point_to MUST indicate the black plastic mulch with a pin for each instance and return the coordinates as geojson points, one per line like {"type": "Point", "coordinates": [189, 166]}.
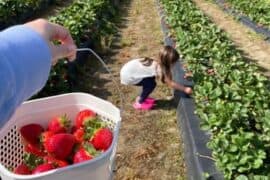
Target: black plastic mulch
{"type": "Point", "coordinates": [200, 165]}
{"type": "Point", "coordinates": [245, 20]}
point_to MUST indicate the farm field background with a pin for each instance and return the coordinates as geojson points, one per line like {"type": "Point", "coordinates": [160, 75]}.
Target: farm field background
{"type": "Point", "coordinates": [150, 145]}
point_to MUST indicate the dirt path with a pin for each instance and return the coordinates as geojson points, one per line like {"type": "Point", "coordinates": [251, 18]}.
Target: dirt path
{"type": "Point", "coordinates": [149, 144]}
{"type": "Point", "coordinates": [254, 47]}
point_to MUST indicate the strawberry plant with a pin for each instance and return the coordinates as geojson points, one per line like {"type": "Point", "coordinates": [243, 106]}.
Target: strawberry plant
{"type": "Point", "coordinates": [11, 10]}
{"type": "Point", "coordinates": [257, 11]}
{"type": "Point", "coordinates": [86, 20]}
{"type": "Point", "coordinates": [18, 11]}
{"type": "Point", "coordinates": [232, 101]}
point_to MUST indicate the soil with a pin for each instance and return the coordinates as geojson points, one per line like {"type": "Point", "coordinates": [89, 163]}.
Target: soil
{"type": "Point", "coordinates": [149, 145]}
{"type": "Point", "coordinates": [253, 46]}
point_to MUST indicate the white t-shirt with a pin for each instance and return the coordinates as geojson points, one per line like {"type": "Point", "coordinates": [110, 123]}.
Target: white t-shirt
{"type": "Point", "coordinates": [134, 71]}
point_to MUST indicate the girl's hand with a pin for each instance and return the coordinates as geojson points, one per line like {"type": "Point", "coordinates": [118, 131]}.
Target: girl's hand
{"type": "Point", "coordinates": [51, 32]}
{"type": "Point", "coordinates": [188, 90]}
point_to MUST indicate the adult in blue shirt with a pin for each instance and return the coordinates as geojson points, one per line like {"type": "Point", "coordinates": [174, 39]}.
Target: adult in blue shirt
{"type": "Point", "coordinates": [26, 56]}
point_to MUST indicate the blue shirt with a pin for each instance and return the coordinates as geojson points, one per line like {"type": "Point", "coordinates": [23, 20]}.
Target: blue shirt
{"type": "Point", "coordinates": [25, 61]}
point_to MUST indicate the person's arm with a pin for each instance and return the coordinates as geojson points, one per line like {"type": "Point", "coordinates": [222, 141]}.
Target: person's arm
{"type": "Point", "coordinates": [25, 61]}
{"type": "Point", "coordinates": [26, 55]}
{"type": "Point", "coordinates": [174, 85]}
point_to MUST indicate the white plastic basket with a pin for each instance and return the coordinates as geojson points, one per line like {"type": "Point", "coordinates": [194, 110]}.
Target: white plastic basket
{"type": "Point", "coordinates": [41, 111]}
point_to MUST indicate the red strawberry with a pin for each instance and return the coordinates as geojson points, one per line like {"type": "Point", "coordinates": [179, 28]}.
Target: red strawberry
{"type": "Point", "coordinates": [22, 169]}
{"type": "Point", "coordinates": [58, 163]}
{"type": "Point", "coordinates": [45, 136]}
{"type": "Point", "coordinates": [84, 115]}
{"type": "Point", "coordinates": [34, 149]}
{"type": "Point", "coordinates": [102, 139]}
{"type": "Point", "coordinates": [31, 133]}
{"type": "Point", "coordinates": [79, 135]}
{"type": "Point", "coordinates": [60, 145]}
{"type": "Point", "coordinates": [43, 168]}
{"type": "Point", "coordinates": [86, 152]}
{"type": "Point", "coordinates": [59, 124]}
{"type": "Point", "coordinates": [73, 129]}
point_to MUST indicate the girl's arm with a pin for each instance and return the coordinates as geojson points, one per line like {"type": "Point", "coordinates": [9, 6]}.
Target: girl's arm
{"type": "Point", "coordinates": [25, 61]}
{"type": "Point", "coordinates": [174, 85]}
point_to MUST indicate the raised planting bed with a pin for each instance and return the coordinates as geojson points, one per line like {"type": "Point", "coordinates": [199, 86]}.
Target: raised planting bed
{"type": "Point", "coordinates": [257, 19]}
{"type": "Point", "coordinates": [198, 159]}
{"type": "Point", "coordinates": [257, 11]}
{"type": "Point", "coordinates": [231, 99]}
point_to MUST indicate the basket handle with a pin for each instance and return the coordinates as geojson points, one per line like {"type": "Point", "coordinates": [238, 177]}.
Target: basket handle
{"type": "Point", "coordinates": [109, 71]}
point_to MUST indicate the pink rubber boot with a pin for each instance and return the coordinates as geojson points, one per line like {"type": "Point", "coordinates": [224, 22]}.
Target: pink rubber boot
{"type": "Point", "coordinates": [143, 106]}
{"type": "Point", "coordinates": [150, 100]}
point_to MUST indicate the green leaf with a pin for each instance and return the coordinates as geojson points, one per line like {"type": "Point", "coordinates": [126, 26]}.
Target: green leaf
{"type": "Point", "coordinates": [257, 163]}
{"type": "Point", "coordinates": [241, 177]}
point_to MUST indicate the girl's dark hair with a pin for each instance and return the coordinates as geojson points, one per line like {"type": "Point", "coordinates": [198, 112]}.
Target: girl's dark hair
{"type": "Point", "coordinates": [146, 61]}
{"type": "Point", "coordinates": [168, 56]}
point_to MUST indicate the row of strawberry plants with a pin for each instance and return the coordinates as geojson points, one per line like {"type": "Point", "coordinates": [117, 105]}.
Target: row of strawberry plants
{"type": "Point", "coordinates": [231, 96]}
{"type": "Point", "coordinates": [16, 11]}
{"type": "Point", "coordinates": [86, 19]}
{"type": "Point", "coordinates": [257, 11]}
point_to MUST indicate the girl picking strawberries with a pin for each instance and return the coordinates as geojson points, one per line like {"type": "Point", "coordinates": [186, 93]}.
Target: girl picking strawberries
{"type": "Point", "coordinates": [144, 71]}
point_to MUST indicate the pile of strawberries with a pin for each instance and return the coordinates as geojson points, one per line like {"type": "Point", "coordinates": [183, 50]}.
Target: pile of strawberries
{"type": "Point", "coordinates": [60, 145]}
